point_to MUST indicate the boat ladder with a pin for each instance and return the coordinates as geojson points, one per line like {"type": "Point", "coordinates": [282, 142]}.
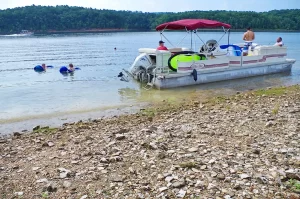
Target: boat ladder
{"type": "Point", "coordinates": [148, 86]}
{"type": "Point", "coordinates": [150, 83]}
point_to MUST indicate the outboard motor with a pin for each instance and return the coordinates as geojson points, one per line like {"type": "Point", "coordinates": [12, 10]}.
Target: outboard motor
{"type": "Point", "coordinates": [209, 46]}
{"type": "Point", "coordinates": [140, 65]}
{"type": "Point", "coordinates": [142, 61]}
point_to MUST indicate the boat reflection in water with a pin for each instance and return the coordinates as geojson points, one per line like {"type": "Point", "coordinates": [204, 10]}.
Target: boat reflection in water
{"type": "Point", "coordinates": [202, 92]}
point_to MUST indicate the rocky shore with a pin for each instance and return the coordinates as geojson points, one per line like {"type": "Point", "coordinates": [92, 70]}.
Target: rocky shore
{"type": "Point", "coordinates": [242, 146]}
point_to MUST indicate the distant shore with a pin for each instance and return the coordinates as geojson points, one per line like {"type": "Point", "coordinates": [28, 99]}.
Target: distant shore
{"type": "Point", "coordinates": [96, 30]}
{"type": "Point", "coordinates": [85, 30]}
{"type": "Point", "coordinates": [100, 30]}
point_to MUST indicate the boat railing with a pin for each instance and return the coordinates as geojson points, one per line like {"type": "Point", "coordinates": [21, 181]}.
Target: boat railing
{"type": "Point", "coordinates": [162, 58]}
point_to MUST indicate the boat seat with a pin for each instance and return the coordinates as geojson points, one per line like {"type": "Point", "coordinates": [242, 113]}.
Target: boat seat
{"type": "Point", "coordinates": [147, 50]}
{"type": "Point", "coordinates": [269, 50]}
{"type": "Point", "coordinates": [175, 50]}
{"type": "Point", "coordinates": [234, 50]}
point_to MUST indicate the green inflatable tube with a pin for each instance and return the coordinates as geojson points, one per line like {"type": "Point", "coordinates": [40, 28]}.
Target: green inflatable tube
{"type": "Point", "coordinates": [185, 56]}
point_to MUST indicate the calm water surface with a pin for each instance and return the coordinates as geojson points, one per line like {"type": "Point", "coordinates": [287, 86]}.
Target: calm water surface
{"type": "Point", "coordinates": [28, 98]}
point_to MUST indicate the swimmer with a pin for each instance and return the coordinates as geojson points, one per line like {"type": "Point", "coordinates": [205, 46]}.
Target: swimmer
{"type": "Point", "coordinates": [71, 68]}
{"type": "Point", "coordinates": [44, 67]}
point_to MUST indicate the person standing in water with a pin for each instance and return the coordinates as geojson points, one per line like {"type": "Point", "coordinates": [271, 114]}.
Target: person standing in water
{"type": "Point", "coordinates": [44, 67]}
{"type": "Point", "coordinates": [71, 68]}
{"type": "Point", "coordinates": [248, 37]}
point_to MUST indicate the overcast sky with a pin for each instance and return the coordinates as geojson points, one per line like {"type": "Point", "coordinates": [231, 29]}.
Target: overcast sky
{"type": "Point", "coordinates": [163, 5]}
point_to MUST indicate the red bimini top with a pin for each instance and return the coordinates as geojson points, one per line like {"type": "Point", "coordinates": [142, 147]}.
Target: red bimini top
{"type": "Point", "coordinates": [191, 24]}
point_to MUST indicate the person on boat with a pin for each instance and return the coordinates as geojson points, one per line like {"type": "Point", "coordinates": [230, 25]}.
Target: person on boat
{"type": "Point", "coordinates": [71, 68]}
{"type": "Point", "coordinates": [248, 37]}
{"type": "Point", "coordinates": [279, 42]}
{"type": "Point", "coordinates": [161, 46]}
{"type": "Point", "coordinates": [44, 67]}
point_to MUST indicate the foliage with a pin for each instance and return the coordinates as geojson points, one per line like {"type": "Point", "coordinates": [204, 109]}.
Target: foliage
{"type": "Point", "coordinates": [65, 18]}
{"type": "Point", "coordinates": [45, 130]}
{"type": "Point", "coordinates": [276, 109]}
{"type": "Point", "coordinates": [294, 184]}
{"type": "Point", "coordinates": [45, 195]}
{"type": "Point", "coordinates": [270, 92]}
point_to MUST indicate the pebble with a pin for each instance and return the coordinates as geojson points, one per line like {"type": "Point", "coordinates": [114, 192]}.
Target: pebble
{"type": "Point", "coordinates": [162, 189]}
{"type": "Point", "coordinates": [169, 178]}
{"type": "Point", "coordinates": [42, 180]}
{"type": "Point", "coordinates": [245, 176]}
{"type": "Point", "coordinates": [178, 184]}
{"type": "Point", "coordinates": [67, 184]}
{"type": "Point", "coordinates": [193, 149]}
{"type": "Point", "coordinates": [211, 186]}
{"type": "Point", "coordinates": [51, 187]}
{"type": "Point", "coordinates": [229, 148]}
{"type": "Point", "coordinates": [35, 168]}
{"type": "Point", "coordinates": [181, 194]}
{"type": "Point", "coordinates": [19, 193]}
{"type": "Point", "coordinates": [64, 173]}
{"type": "Point", "coordinates": [116, 178]}
{"type": "Point", "coordinates": [120, 137]}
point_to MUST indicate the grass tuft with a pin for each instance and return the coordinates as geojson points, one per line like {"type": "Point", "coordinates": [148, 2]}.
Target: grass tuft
{"type": "Point", "coordinates": [188, 165]}
{"type": "Point", "coordinates": [275, 109]}
{"type": "Point", "coordinates": [45, 130]}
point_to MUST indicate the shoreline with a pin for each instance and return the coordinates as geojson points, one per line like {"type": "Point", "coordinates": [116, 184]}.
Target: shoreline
{"type": "Point", "coordinates": [84, 31]}
{"type": "Point", "coordinates": [26, 125]}
{"type": "Point", "coordinates": [108, 30]}
{"type": "Point", "coordinates": [240, 146]}
{"type": "Point", "coordinates": [137, 30]}
{"type": "Point", "coordinates": [96, 30]}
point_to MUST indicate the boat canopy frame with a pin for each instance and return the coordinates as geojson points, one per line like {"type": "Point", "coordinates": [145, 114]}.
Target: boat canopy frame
{"type": "Point", "coordinates": [193, 28]}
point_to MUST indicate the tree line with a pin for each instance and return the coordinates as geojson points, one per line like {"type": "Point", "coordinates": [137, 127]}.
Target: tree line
{"type": "Point", "coordinates": [64, 18]}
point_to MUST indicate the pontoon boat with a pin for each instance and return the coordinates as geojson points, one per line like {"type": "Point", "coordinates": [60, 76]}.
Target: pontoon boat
{"type": "Point", "coordinates": [213, 62]}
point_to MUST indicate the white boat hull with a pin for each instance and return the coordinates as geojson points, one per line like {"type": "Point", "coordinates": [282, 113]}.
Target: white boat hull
{"type": "Point", "coordinates": [154, 67]}
{"type": "Point", "coordinates": [187, 79]}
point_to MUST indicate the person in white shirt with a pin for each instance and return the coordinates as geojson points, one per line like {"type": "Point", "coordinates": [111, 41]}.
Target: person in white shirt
{"type": "Point", "coordinates": [279, 42]}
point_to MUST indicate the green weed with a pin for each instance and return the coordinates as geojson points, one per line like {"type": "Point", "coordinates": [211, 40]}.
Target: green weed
{"type": "Point", "coordinates": [275, 109]}
{"type": "Point", "coordinates": [45, 130]}
{"type": "Point", "coordinates": [45, 195]}
{"type": "Point", "coordinates": [188, 165]}
{"type": "Point", "coordinates": [294, 184]}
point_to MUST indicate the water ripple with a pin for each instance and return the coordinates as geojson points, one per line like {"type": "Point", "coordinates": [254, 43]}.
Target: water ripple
{"type": "Point", "coordinates": [25, 93]}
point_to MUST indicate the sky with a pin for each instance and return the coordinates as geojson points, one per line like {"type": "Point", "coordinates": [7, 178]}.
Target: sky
{"type": "Point", "coordinates": [163, 5]}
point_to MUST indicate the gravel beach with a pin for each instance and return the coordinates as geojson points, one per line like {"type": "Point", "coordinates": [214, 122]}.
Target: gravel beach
{"type": "Point", "coordinates": [232, 147]}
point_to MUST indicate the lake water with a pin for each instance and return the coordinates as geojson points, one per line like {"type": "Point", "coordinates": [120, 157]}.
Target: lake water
{"type": "Point", "coordinates": [28, 98]}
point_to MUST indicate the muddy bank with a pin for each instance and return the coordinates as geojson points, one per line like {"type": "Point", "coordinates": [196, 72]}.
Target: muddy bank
{"type": "Point", "coordinates": [243, 146]}
{"type": "Point", "coordinates": [26, 124]}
